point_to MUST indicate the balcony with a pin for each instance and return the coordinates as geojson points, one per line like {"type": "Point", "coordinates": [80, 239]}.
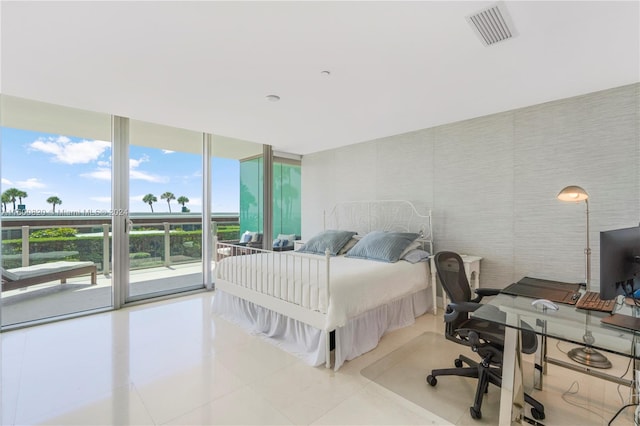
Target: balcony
{"type": "Point", "coordinates": [165, 258]}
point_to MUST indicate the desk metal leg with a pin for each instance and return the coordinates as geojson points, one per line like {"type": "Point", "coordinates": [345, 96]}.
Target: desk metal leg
{"type": "Point", "coordinates": [540, 358]}
{"type": "Point", "coordinates": [512, 391]}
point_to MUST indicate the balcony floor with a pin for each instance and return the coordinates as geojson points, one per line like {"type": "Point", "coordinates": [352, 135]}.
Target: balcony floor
{"type": "Point", "coordinates": [78, 295]}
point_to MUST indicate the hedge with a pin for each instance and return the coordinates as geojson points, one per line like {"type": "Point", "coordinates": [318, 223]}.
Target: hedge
{"type": "Point", "coordinates": [187, 244]}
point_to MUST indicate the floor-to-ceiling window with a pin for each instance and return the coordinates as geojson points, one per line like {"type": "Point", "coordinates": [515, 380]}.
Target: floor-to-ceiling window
{"type": "Point", "coordinates": [251, 194]}
{"type": "Point", "coordinates": [236, 195]}
{"type": "Point", "coordinates": [165, 210]}
{"type": "Point", "coordinates": [56, 203]}
{"type": "Point", "coordinates": [287, 205]}
{"type": "Point", "coordinates": [99, 210]}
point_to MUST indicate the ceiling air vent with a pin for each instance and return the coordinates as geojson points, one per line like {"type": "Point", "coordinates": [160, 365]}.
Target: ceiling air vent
{"type": "Point", "coordinates": [492, 25]}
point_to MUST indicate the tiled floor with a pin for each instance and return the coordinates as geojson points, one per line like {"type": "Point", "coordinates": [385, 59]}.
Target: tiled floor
{"type": "Point", "coordinates": [173, 362]}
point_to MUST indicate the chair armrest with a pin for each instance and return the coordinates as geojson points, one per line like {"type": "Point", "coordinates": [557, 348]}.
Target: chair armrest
{"type": "Point", "coordinates": [455, 309]}
{"type": "Point", "coordinates": [482, 292]}
{"type": "Point", "coordinates": [464, 306]}
{"type": "Point", "coordinates": [487, 291]}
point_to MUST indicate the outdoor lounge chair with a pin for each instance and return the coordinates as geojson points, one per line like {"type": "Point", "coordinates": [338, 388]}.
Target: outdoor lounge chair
{"type": "Point", "coordinates": [29, 275]}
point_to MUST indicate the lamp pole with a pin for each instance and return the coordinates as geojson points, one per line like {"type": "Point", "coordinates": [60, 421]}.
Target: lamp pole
{"type": "Point", "coordinates": [586, 354]}
{"type": "Point", "coordinates": [587, 251]}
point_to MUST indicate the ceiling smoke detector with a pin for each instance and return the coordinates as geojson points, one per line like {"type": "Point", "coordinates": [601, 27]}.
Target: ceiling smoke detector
{"type": "Point", "coordinates": [492, 24]}
{"type": "Point", "coordinates": [273, 98]}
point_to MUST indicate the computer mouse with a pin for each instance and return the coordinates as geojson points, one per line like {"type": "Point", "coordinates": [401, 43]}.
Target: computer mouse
{"type": "Point", "coordinates": [546, 304]}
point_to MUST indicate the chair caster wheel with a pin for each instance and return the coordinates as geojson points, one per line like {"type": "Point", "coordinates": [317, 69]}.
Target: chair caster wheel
{"type": "Point", "coordinates": [538, 415]}
{"type": "Point", "coordinates": [457, 363]}
{"type": "Point", "coordinates": [475, 414]}
{"type": "Point", "coordinates": [432, 380]}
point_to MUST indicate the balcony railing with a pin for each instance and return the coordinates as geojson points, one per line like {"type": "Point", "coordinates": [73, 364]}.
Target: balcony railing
{"type": "Point", "coordinates": [155, 239]}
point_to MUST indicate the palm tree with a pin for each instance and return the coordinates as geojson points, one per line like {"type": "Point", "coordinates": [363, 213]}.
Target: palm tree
{"type": "Point", "coordinates": [183, 200]}
{"type": "Point", "coordinates": [149, 199]}
{"type": "Point", "coordinates": [168, 196]}
{"type": "Point", "coordinates": [21, 195]}
{"type": "Point", "coordinates": [5, 199]}
{"type": "Point", "coordinates": [12, 194]}
{"type": "Point", "coordinates": [54, 200]}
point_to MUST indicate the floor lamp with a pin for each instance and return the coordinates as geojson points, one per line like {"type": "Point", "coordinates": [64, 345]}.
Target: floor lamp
{"type": "Point", "coordinates": [586, 354]}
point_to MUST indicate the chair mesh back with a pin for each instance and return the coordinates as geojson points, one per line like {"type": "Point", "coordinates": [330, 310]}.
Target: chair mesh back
{"type": "Point", "coordinates": [450, 269]}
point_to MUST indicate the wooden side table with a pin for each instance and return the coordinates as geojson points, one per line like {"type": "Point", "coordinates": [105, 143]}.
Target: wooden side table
{"type": "Point", "coordinates": [471, 270]}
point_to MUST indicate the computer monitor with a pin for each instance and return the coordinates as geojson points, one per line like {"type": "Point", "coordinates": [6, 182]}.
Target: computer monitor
{"type": "Point", "coordinates": [619, 262]}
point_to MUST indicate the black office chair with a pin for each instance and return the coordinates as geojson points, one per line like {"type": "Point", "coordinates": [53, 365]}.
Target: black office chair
{"type": "Point", "coordinates": [484, 337]}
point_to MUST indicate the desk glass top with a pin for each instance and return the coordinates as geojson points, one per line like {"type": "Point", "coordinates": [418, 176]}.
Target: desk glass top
{"type": "Point", "coordinates": [567, 323]}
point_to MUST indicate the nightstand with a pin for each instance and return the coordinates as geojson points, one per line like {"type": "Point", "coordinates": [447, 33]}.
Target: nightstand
{"type": "Point", "coordinates": [471, 269]}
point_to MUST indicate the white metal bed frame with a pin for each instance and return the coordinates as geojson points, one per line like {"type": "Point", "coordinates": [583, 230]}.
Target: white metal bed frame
{"type": "Point", "coordinates": [267, 282]}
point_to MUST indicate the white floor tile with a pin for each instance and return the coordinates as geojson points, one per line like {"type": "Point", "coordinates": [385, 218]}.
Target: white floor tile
{"type": "Point", "coordinates": [170, 396]}
{"type": "Point", "coordinates": [122, 406]}
{"type": "Point", "coordinates": [173, 362]}
{"type": "Point", "coordinates": [244, 407]}
{"type": "Point", "coordinates": [371, 406]}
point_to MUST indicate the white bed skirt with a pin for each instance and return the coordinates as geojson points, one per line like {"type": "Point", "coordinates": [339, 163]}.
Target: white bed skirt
{"type": "Point", "coordinates": [361, 334]}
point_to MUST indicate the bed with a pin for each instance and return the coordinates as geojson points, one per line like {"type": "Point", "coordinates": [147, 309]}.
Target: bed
{"type": "Point", "coordinates": [309, 303]}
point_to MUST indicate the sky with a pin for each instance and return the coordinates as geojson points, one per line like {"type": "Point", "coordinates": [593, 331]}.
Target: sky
{"type": "Point", "coordinates": [78, 172]}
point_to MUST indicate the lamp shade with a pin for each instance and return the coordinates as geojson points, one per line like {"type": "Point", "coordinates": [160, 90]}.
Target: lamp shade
{"type": "Point", "coordinates": [573, 193]}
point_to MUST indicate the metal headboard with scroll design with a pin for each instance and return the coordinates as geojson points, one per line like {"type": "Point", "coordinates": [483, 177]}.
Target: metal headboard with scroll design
{"type": "Point", "coordinates": [383, 215]}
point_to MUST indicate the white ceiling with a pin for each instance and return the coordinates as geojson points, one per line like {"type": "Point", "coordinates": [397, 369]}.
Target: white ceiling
{"type": "Point", "coordinates": [395, 66]}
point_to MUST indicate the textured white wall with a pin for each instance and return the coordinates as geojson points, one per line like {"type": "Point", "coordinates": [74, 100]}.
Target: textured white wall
{"type": "Point", "coordinates": [491, 182]}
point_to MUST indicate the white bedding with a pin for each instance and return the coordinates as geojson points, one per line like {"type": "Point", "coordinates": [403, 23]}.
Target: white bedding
{"type": "Point", "coordinates": [357, 285]}
{"type": "Point", "coordinates": [361, 333]}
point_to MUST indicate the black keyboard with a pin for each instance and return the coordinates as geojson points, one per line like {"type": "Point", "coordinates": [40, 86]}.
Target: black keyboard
{"type": "Point", "coordinates": [591, 302]}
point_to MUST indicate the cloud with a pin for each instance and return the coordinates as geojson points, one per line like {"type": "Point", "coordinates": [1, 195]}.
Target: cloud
{"type": "Point", "coordinates": [6, 182]}
{"type": "Point", "coordinates": [139, 175]}
{"type": "Point", "coordinates": [167, 151]}
{"type": "Point", "coordinates": [133, 163]}
{"type": "Point", "coordinates": [31, 183]}
{"type": "Point", "coordinates": [68, 152]}
{"type": "Point", "coordinates": [103, 171]}
{"type": "Point", "coordinates": [134, 173]}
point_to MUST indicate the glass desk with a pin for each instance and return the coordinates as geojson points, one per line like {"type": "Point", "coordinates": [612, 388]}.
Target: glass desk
{"type": "Point", "coordinates": [568, 324]}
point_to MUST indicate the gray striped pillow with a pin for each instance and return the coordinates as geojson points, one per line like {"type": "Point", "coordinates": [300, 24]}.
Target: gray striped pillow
{"type": "Point", "coordinates": [332, 239]}
{"type": "Point", "coordinates": [383, 246]}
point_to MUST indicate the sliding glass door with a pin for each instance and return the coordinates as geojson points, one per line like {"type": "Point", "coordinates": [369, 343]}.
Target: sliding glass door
{"type": "Point", "coordinates": [89, 199]}
{"type": "Point", "coordinates": [165, 210]}
{"type": "Point", "coordinates": [56, 202]}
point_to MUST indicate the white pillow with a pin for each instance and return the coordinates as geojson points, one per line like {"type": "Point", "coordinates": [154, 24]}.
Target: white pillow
{"type": "Point", "coordinates": [352, 242]}
{"type": "Point", "coordinates": [414, 245]}
{"type": "Point", "coordinates": [416, 255]}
